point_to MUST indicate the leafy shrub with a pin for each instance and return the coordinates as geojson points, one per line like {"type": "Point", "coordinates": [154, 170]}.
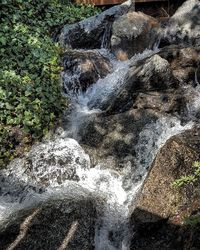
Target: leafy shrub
{"type": "Point", "coordinates": [30, 96]}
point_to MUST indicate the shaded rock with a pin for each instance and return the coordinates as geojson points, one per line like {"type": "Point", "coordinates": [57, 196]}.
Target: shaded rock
{"type": "Point", "coordinates": [151, 74]}
{"type": "Point", "coordinates": [133, 33]}
{"type": "Point", "coordinates": [52, 225]}
{"type": "Point", "coordinates": [169, 101]}
{"type": "Point", "coordinates": [184, 25]}
{"type": "Point", "coordinates": [165, 236]}
{"type": "Point", "coordinates": [83, 68]}
{"type": "Point", "coordinates": [184, 62]}
{"type": "Point", "coordinates": [111, 140]}
{"type": "Point", "coordinates": [48, 164]}
{"type": "Point", "coordinates": [158, 198]}
{"type": "Point", "coordinates": [127, 141]}
{"type": "Point", "coordinates": [128, 138]}
{"type": "Point", "coordinates": [93, 32]}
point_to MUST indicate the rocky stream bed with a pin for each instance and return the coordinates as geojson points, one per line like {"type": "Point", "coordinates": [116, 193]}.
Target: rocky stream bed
{"type": "Point", "coordinates": [104, 180]}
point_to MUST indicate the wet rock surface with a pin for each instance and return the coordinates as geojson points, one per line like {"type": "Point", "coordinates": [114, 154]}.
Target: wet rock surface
{"type": "Point", "coordinates": [111, 140]}
{"type": "Point", "coordinates": [132, 33]}
{"type": "Point", "coordinates": [48, 164]}
{"type": "Point", "coordinates": [119, 124]}
{"type": "Point", "coordinates": [57, 224]}
{"type": "Point", "coordinates": [83, 68]}
{"type": "Point", "coordinates": [151, 74]}
{"type": "Point", "coordinates": [90, 33]}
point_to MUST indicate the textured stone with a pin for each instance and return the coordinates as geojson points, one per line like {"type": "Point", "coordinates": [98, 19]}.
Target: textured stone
{"type": "Point", "coordinates": [83, 68]}
{"type": "Point", "coordinates": [49, 225]}
{"type": "Point", "coordinates": [158, 198]}
{"type": "Point", "coordinates": [133, 33]}
{"type": "Point", "coordinates": [93, 32]}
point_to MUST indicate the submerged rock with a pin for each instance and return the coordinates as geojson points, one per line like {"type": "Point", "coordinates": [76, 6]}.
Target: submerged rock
{"type": "Point", "coordinates": [133, 33]}
{"type": "Point", "coordinates": [57, 224]}
{"type": "Point", "coordinates": [162, 206]}
{"type": "Point", "coordinates": [48, 164]}
{"type": "Point", "coordinates": [93, 32]}
{"type": "Point", "coordinates": [83, 68]}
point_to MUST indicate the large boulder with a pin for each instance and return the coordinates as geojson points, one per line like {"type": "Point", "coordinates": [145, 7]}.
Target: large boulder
{"type": "Point", "coordinates": [184, 62]}
{"type": "Point", "coordinates": [150, 74]}
{"type": "Point", "coordinates": [184, 25]}
{"type": "Point", "coordinates": [83, 68]}
{"type": "Point", "coordinates": [57, 224]}
{"type": "Point", "coordinates": [93, 32]}
{"type": "Point", "coordinates": [162, 206]}
{"type": "Point", "coordinates": [133, 33]}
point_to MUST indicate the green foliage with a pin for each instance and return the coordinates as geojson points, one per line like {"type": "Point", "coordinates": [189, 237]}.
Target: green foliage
{"type": "Point", "coordinates": [192, 220]}
{"type": "Point", "coordinates": [184, 180]}
{"type": "Point", "coordinates": [190, 179]}
{"type": "Point", "coordinates": [30, 96]}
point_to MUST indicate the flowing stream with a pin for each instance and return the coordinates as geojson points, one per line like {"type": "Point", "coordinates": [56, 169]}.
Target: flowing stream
{"type": "Point", "coordinates": [117, 190]}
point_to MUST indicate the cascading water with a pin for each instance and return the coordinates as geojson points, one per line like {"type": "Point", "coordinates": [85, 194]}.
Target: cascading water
{"type": "Point", "coordinates": [117, 190]}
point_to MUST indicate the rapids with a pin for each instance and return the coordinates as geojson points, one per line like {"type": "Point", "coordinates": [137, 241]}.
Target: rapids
{"type": "Point", "coordinates": [25, 185]}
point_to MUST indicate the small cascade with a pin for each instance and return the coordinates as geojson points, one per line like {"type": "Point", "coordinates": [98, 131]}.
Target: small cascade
{"type": "Point", "coordinates": [42, 175]}
{"type": "Point", "coordinates": [105, 42]}
{"type": "Point", "coordinates": [97, 96]}
{"type": "Point", "coordinates": [112, 228]}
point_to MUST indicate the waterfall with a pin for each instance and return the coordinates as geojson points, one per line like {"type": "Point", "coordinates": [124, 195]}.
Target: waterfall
{"type": "Point", "coordinates": [117, 190]}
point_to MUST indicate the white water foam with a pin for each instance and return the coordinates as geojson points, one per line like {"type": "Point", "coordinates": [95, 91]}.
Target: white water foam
{"type": "Point", "coordinates": [99, 94]}
{"type": "Point", "coordinates": [112, 229]}
{"type": "Point", "coordinates": [21, 190]}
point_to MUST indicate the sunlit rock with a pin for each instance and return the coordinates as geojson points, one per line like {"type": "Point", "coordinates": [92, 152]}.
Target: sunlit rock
{"type": "Point", "coordinates": [162, 209]}
{"type": "Point", "coordinates": [133, 33]}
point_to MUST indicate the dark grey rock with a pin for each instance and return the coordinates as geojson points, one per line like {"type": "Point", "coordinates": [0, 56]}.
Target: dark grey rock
{"type": "Point", "coordinates": [90, 33]}
{"type": "Point", "coordinates": [48, 225]}
{"type": "Point", "coordinates": [184, 62]}
{"type": "Point", "coordinates": [151, 74]}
